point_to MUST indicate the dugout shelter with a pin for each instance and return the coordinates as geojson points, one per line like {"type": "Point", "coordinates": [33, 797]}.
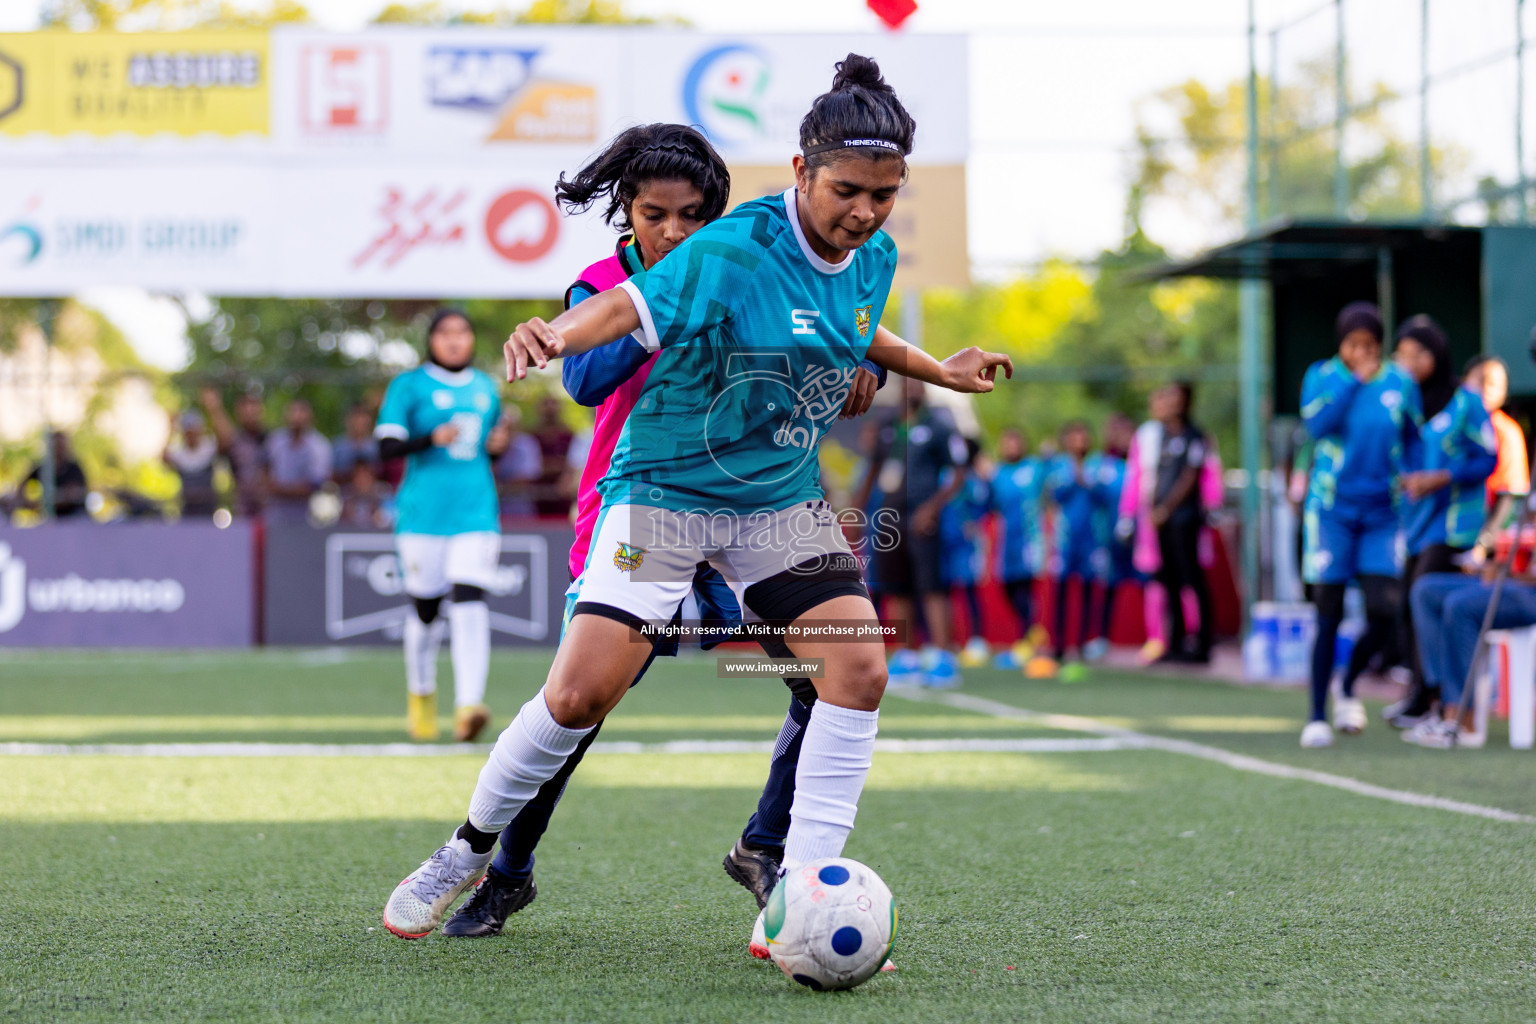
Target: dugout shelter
{"type": "Point", "coordinates": [1478, 282]}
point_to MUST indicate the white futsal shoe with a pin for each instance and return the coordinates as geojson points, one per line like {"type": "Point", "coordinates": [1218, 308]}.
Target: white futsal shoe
{"type": "Point", "coordinates": [1349, 716]}
{"type": "Point", "coordinates": [1317, 734]}
{"type": "Point", "coordinates": [419, 902]}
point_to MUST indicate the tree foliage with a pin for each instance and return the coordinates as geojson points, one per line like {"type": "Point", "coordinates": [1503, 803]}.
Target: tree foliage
{"type": "Point", "coordinates": [170, 15]}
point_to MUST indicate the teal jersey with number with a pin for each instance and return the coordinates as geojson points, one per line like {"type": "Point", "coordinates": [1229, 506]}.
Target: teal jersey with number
{"type": "Point", "coordinates": [447, 489]}
{"type": "Point", "coordinates": [759, 340]}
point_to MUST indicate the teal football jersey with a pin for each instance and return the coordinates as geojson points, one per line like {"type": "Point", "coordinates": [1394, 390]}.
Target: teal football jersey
{"type": "Point", "coordinates": [759, 339]}
{"type": "Point", "coordinates": [447, 490]}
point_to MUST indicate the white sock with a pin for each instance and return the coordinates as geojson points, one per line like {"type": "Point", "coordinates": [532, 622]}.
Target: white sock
{"type": "Point", "coordinates": [471, 647]}
{"type": "Point", "coordinates": [834, 759]}
{"type": "Point", "coordinates": [527, 754]}
{"type": "Point", "coordinates": [421, 643]}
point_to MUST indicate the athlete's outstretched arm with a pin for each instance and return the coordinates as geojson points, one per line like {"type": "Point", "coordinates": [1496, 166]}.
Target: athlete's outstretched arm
{"type": "Point", "coordinates": [970, 369]}
{"type": "Point", "coordinates": [605, 317]}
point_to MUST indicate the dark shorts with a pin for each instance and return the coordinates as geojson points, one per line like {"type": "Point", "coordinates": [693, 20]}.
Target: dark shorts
{"type": "Point", "coordinates": [913, 565]}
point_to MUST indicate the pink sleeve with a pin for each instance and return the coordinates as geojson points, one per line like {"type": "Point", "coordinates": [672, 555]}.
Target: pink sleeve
{"type": "Point", "coordinates": [1130, 491]}
{"type": "Point", "coordinates": [1212, 489]}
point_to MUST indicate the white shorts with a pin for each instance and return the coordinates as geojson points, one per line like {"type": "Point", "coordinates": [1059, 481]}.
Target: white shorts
{"type": "Point", "coordinates": [432, 564]}
{"type": "Point", "coordinates": [643, 558]}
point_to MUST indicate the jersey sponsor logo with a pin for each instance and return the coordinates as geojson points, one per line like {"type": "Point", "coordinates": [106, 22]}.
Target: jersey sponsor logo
{"type": "Point", "coordinates": [1391, 399]}
{"type": "Point", "coordinates": [803, 320]}
{"type": "Point", "coordinates": [442, 399]}
{"type": "Point", "coordinates": [628, 557]}
{"type": "Point", "coordinates": [861, 320]}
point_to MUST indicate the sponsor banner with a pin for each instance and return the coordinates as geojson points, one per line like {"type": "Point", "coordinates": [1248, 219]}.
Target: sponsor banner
{"type": "Point", "coordinates": [477, 230]}
{"type": "Point", "coordinates": [233, 230]}
{"type": "Point", "coordinates": [172, 227]}
{"type": "Point", "coordinates": [928, 224]}
{"type": "Point", "coordinates": [127, 585]}
{"type": "Point", "coordinates": [145, 84]}
{"type": "Point", "coordinates": [465, 90]}
{"type": "Point", "coordinates": [750, 93]}
{"type": "Point", "coordinates": [450, 91]}
{"type": "Point", "coordinates": [345, 587]}
{"type": "Point", "coordinates": [447, 230]}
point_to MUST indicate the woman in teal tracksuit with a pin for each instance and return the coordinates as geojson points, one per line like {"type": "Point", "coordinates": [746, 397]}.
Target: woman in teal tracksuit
{"type": "Point", "coordinates": [1451, 460]}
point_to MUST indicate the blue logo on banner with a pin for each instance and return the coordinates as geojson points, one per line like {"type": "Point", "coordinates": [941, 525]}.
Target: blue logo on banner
{"type": "Point", "coordinates": [31, 241]}
{"type": "Point", "coordinates": [724, 90]}
{"type": "Point", "coordinates": [476, 77]}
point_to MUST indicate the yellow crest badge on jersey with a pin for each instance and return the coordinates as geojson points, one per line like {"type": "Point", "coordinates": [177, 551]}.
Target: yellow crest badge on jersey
{"type": "Point", "coordinates": [861, 320]}
{"type": "Point", "coordinates": [628, 557]}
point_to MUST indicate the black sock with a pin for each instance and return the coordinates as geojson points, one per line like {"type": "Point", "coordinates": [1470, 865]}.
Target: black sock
{"type": "Point", "coordinates": [1322, 664]}
{"type": "Point", "coordinates": [480, 842]}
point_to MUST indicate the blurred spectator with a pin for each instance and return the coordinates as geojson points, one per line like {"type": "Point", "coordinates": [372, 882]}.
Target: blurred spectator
{"type": "Point", "coordinates": [244, 444]}
{"type": "Point", "coordinates": [1489, 377]}
{"type": "Point", "coordinates": [1448, 613]}
{"type": "Point", "coordinates": [518, 467]}
{"type": "Point", "coordinates": [356, 445]}
{"type": "Point", "coordinates": [69, 486]}
{"type": "Point", "coordinates": [365, 499]}
{"type": "Point", "coordinates": [554, 440]}
{"type": "Point", "coordinates": [919, 465]}
{"type": "Point", "coordinates": [1178, 513]}
{"type": "Point", "coordinates": [299, 461]}
{"type": "Point", "coordinates": [575, 462]}
{"type": "Point", "coordinates": [191, 455]}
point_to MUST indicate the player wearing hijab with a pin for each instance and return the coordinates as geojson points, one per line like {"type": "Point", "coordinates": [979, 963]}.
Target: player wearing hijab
{"type": "Point", "coordinates": [1452, 458]}
{"type": "Point", "coordinates": [443, 419]}
{"type": "Point", "coordinates": [1361, 413]}
{"type": "Point", "coordinates": [718, 463]}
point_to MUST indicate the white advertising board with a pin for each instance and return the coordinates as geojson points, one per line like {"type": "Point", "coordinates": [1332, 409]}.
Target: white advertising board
{"type": "Point", "coordinates": [448, 91]}
{"type": "Point", "coordinates": [423, 231]}
{"type": "Point", "coordinates": [420, 162]}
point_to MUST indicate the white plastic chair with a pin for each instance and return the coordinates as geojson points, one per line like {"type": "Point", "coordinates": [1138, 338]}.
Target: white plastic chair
{"type": "Point", "coordinates": [1519, 646]}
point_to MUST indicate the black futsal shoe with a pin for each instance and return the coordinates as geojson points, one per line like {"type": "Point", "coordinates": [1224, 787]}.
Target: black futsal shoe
{"type": "Point", "coordinates": [755, 868]}
{"type": "Point", "coordinates": [486, 912]}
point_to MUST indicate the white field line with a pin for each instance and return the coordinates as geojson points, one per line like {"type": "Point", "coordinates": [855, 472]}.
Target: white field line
{"type": "Point", "coordinates": [937, 746]}
{"type": "Point", "coordinates": [1241, 762]}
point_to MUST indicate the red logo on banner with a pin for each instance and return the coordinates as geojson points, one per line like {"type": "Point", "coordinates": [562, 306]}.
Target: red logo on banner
{"type": "Point", "coordinates": [522, 226]}
{"type": "Point", "coordinates": [344, 90]}
{"type": "Point", "coordinates": [431, 219]}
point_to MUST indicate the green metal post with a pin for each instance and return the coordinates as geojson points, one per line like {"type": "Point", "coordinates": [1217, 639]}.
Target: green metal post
{"type": "Point", "coordinates": [1250, 298]}
{"type": "Point", "coordinates": [1426, 183]}
{"type": "Point", "coordinates": [1341, 114]}
{"type": "Point", "coordinates": [1272, 179]}
{"type": "Point", "coordinates": [1522, 180]}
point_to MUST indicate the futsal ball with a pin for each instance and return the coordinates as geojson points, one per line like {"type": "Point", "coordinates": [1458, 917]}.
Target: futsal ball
{"type": "Point", "coordinates": [830, 923]}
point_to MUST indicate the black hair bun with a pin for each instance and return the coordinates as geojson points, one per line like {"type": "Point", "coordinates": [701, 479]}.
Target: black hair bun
{"type": "Point", "coordinates": [856, 70]}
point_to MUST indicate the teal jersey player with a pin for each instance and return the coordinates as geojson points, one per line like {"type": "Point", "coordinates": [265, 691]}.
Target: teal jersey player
{"type": "Point", "coordinates": [774, 346]}
{"type": "Point", "coordinates": [448, 489]}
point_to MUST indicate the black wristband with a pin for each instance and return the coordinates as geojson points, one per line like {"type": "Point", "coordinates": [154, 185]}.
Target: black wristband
{"type": "Point", "coordinates": [394, 448]}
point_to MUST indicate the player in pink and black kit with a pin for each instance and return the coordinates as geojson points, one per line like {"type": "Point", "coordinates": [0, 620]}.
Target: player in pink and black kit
{"type": "Point", "coordinates": [661, 182]}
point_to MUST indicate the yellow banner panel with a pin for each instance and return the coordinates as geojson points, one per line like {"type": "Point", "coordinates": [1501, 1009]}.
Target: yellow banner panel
{"type": "Point", "coordinates": [927, 225]}
{"type": "Point", "coordinates": [147, 83]}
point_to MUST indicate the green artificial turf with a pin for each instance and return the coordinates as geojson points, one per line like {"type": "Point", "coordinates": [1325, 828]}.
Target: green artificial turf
{"type": "Point", "coordinates": [1126, 885]}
